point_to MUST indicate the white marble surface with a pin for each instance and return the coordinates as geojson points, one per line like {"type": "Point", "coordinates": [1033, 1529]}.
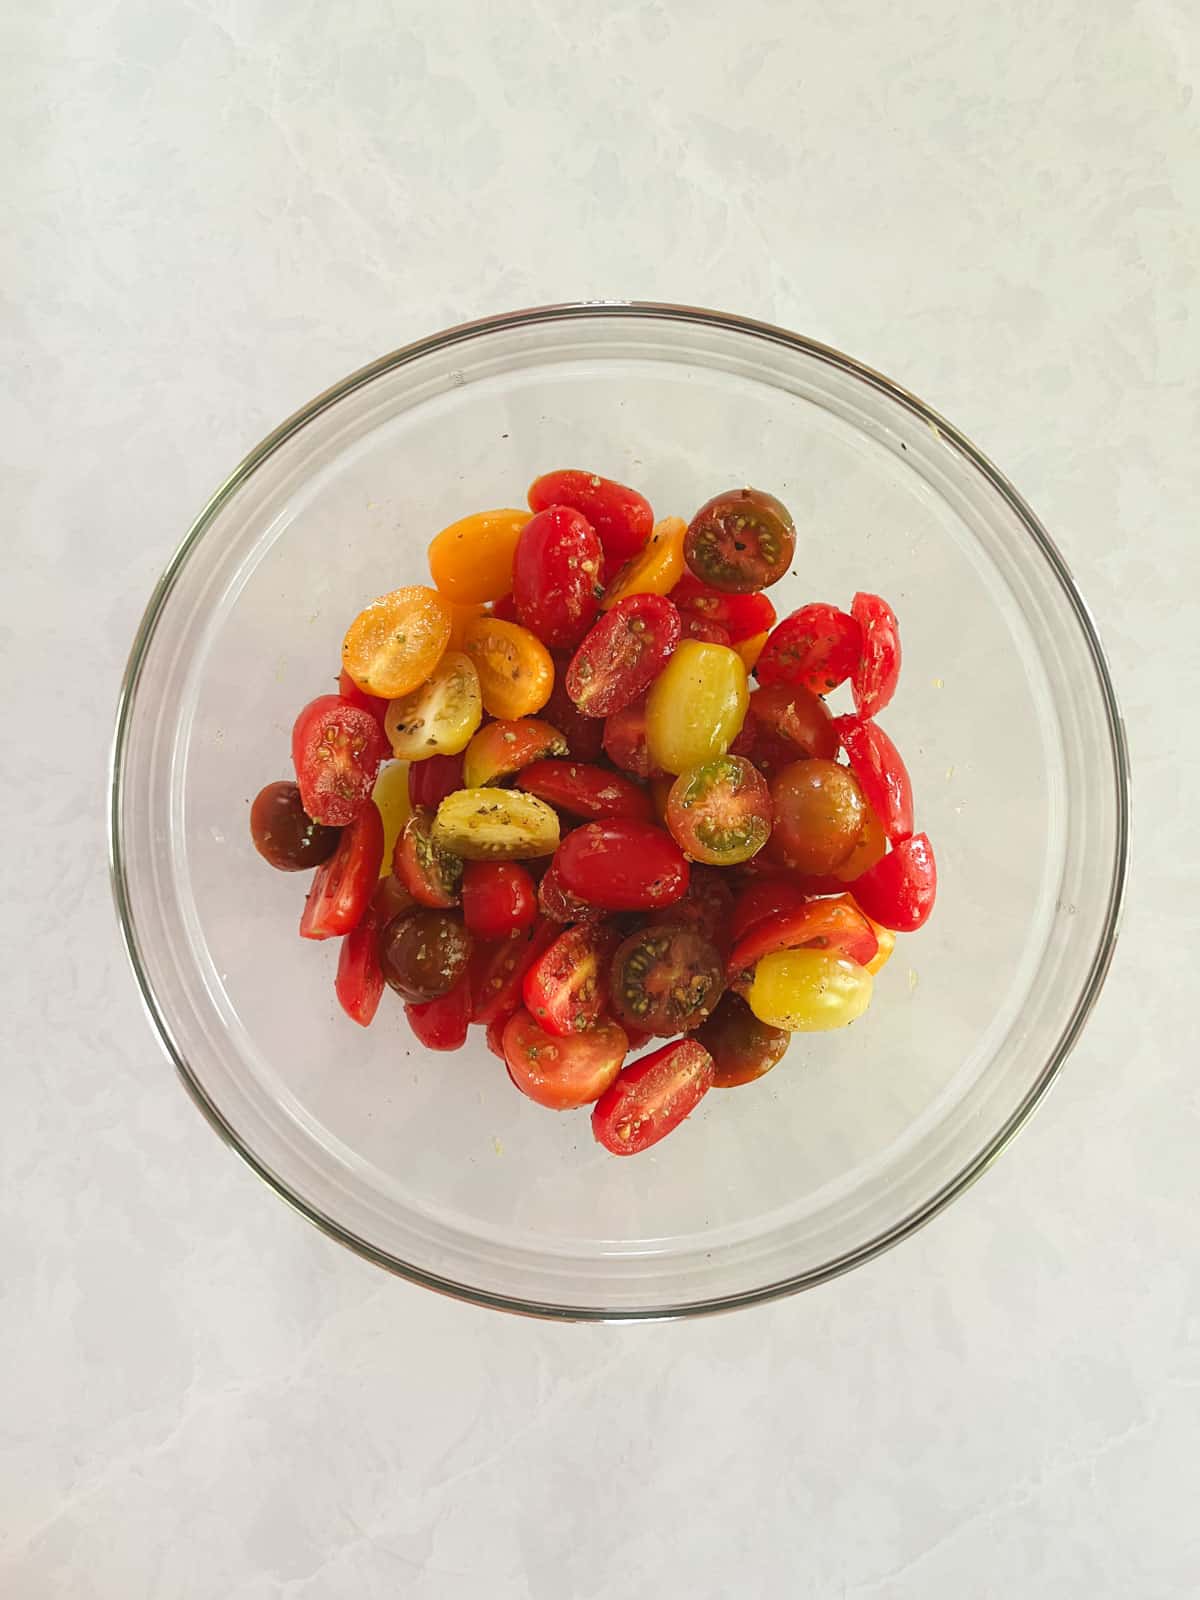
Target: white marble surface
{"type": "Point", "coordinates": [213, 210]}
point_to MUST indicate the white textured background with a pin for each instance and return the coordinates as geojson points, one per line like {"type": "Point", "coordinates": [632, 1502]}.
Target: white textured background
{"type": "Point", "coordinates": [211, 211]}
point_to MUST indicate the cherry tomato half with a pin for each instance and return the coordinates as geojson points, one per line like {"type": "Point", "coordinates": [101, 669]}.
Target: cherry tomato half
{"type": "Point", "coordinates": [819, 814]}
{"type": "Point", "coordinates": [349, 690]}
{"type": "Point", "coordinates": [621, 517]}
{"type": "Point", "coordinates": [622, 654]}
{"type": "Point", "coordinates": [336, 750]}
{"type": "Point", "coordinates": [584, 735]}
{"type": "Point", "coordinates": [742, 1047]}
{"type": "Point", "coordinates": [516, 673]}
{"type": "Point", "coordinates": [694, 627]}
{"type": "Point", "coordinates": [836, 925]}
{"type": "Point", "coordinates": [394, 643]}
{"type": "Point", "coordinates": [562, 1073]}
{"type": "Point", "coordinates": [566, 988]}
{"type": "Point", "coordinates": [900, 890]}
{"type": "Point", "coordinates": [359, 980]}
{"type": "Point", "coordinates": [765, 897]}
{"type": "Point", "coordinates": [881, 774]}
{"type": "Point", "coordinates": [472, 560]}
{"type": "Point", "coordinates": [504, 747]}
{"type": "Point", "coordinates": [441, 1023]}
{"type": "Point", "coordinates": [707, 906]}
{"type": "Point", "coordinates": [651, 1097]}
{"type": "Point", "coordinates": [625, 741]}
{"type": "Point", "coordinates": [809, 991]}
{"type": "Point", "coordinates": [283, 832]}
{"type": "Point", "coordinates": [586, 791]}
{"type": "Point", "coordinates": [720, 812]}
{"type": "Point", "coordinates": [654, 570]}
{"type": "Point", "coordinates": [696, 705]}
{"type": "Point", "coordinates": [429, 782]}
{"type": "Point", "coordinates": [497, 971]}
{"type": "Point", "coordinates": [494, 824]}
{"type": "Point", "coordinates": [740, 541]}
{"type": "Point", "coordinates": [430, 873]}
{"type": "Point", "coordinates": [439, 716]}
{"type": "Point", "coordinates": [556, 575]}
{"type": "Point", "coordinates": [622, 865]}
{"type": "Point", "coordinates": [343, 885]}
{"type": "Point", "coordinates": [424, 953]}
{"type": "Point", "coordinates": [877, 671]}
{"type": "Point", "coordinates": [560, 905]}
{"type": "Point", "coordinates": [498, 897]}
{"type": "Point", "coordinates": [666, 978]}
{"type": "Point", "coordinates": [741, 615]}
{"type": "Point", "coordinates": [817, 646]}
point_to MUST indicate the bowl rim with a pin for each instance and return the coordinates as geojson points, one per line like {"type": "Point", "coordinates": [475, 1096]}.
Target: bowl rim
{"type": "Point", "coordinates": [729, 322]}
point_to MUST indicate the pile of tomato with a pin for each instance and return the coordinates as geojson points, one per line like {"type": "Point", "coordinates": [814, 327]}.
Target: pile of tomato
{"type": "Point", "coordinates": [545, 801]}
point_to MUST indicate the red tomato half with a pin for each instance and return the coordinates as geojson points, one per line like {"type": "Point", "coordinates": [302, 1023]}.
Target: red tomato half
{"type": "Point", "coordinates": [586, 791]}
{"type": "Point", "coordinates": [621, 517]}
{"type": "Point", "coordinates": [622, 654]}
{"type": "Point", "coordinates": [562, 1073]}
{"type": "Point", "coordinates": [556, 576]}
{"type": "Point", "coordinates": [498, 898]}
{"type": "Point", "coordinates": [349, 690]}
{"type": "Point", "coordinates": [625, 741]}
{"type": "Point", "coordinates": [882, 775]}
{"type": "Point", "coordinates": [874, 679]}
{"type": "Point", "coordinates": [817, 646]}
{"type": "Point", "coordinates": [836, 925]}
{"type": "Point", "coordinates": [767, 897]}
{"type": "Point", "coordinates": [566, 988]}
{"type": "Point", "coordinates": [432, 876]}
{"type": "Point", "coordinates": [497, 971]}
{"type": "Point", "coordinates": [740, 615]}
{"type": "Point", "coordinates": [697, 627]}
{"type": "Point", "coordinates": [651, 1097]}
{"type": "Point", "coordinates": [343, 885]}
{"type": "Point", "coordinates": [584, 735]}
{"type": "Point", "coordinates": [622, 866]}
{"type": "Point", "coordinates": [560, 905]}
{"type": "Point", "coordinates": [431, 780]}
{"type": "Point", "coordinates": [359, 981]}
{"type": "Point", "coordinates": [899, 891]}
{"type": "Point", "coordinates": [337, 749]}
{"type": "Point", "coordinates": [441, 1024]}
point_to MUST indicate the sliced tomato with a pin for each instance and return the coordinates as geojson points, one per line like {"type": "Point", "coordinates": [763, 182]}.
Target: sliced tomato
{"type": "Point", "coordinates": [702, 628]}
{"type": "Point", "coordinates": [817, 646]}
{"type": "Point", "coordinates": [430, 781]}
{"type": "Point", "coordinates": [562, 1073]}
{"type": "Point", "coordinates": [349, 690]}
{"type": "Point", "coordinates": [622, 865]}
{"type": "Point", "coordinates": [789, 723]}
{"type": "Point", "coordinates": [621, 516]}
{"type": "Point", "coordinates": [900, 890]}
{"type": "Point", "coordinates": [881, 774]}
{"type": "Point", "coordinates": [497, 971]}
{"type": "Point", "coordinates": [342, 886]}
{"type": "Point", "coordinates": [836, 925]}
{"type": "Point", "coordinates": [441, 1024]}
{"type": "Point", "coordinates": [740, 541]}
{"type": "Point", "coordinates": [877, 672]}
{"type": "Point", "coordinates": [556, 576]}
{"type": "Point", "coordinates": [766, 897]}
{"type": "Point", "coordinates": [742, 1047]}
{"type": "Point", "coordinates": [560, 905]}
{"type": "Point", "coordinates": [584, 735]}
{"type": "Point", "coordinates": [431, 874]}
{"type": "Point", "coordinates": [586, 791]}
{"type": "Point", "coordinates": [359, 980]}
{"type": "Point", "coordinates": [707, 906]}
{"type": "Point", "coordinates": [819, 815]}
{"type": "Point", "coordinates": [740, 615]}
{"type": "Point", "coordinates": [651, 1097]}
{"type": "Point", "coordinates": [566, 989]}
{"type": "Point", "coordinates": [502, 748]}
{"type": "Point", "coordinates": [337, 749]}
{"type": "Point", "coordinates": [622, 654]}
{"type": "Point", "coordinates": [498, 897]}
{"type": "Point", "coordinates": [625, 741]}
{"type": "Point", "coordinates": [666, 978]}
{"type": "Point", "coordinates": [720, 812]}
{"type": "Point", "coordinates": [494, 1034]}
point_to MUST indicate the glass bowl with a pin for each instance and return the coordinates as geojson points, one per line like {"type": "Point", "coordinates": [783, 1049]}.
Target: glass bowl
{"type": "Point", "coordinates": [433, 1165]}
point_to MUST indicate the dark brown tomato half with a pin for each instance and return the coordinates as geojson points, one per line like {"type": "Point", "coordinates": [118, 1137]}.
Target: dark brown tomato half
{"type": "Point", "coordinates": [666, 978]}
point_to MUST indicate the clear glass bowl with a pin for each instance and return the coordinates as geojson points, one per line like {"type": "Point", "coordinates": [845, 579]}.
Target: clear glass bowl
{"type": "Point", "coordinates": [433, 1165]}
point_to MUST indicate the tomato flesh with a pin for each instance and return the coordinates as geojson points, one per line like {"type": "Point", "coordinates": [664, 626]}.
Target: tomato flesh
{"type": "Point", "coordinates": [432, 875]}
{"type": "Point", "coordinates": [622, 654]}
{"type": "Point", "coordinates": [498, 970]}
{"type": "Point", "coordinates": [441, 1023]}
{"type": "Point", "coordinates": [621, 516]}
{"type": "Point", "coordinates": [556, 575]}
{"type": "Point", "coordinates": [707, 906]}
{"type": "Point", "coordinates": [337, 749]}
{"type": "Point", "coordinates": [358, 983]}
{"type": "Point", "coordinates": [342, 886]}
{"type": "Point", "coordinates": [586, 791]}
{"type": "Point", "coordinates": [562, 1073]}
{"type": "Point", "coordinates": [881, 774]}
{"type": "Point", "coordinates": [900, 890]}
{"type": "Point", "coordinates": [566, 989]}
{"type": "Point", "coordinates": [740, 615]}
{"type": "Point", "coordinates": [720, 812]}
{"type": "Point", "coordinates": [622, 865]}
{"type": "Point", "coordinates": [789, 723]}
{"type": "Point", "coordinates": [742, 1047]}
{"type": "Point", "coordinates": [740, 541]}
{"type": "Point", "coordinates": [394, 643]}
{"type": "Point", "coordinates": [818, 646]}
{"type": "Point", "coordinates": [877, 671]}
{"type": "Point", "coordinates": [584, 735]}
{"type": "Point", "coordinates": [349, 690]}
{"type": "Point", "coordinates": [650, 1098]}
{"type": "Point", "coordinates": [666, 978]}
{"type": "Point", "coordinates": [498, 897]}
{"type": "Point", "coordinates": [283, 832]}
{"type": "Point", "coordinates": [504, 747]}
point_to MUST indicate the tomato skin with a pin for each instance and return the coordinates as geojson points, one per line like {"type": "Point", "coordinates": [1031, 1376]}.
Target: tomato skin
{"type": "Point", "coordinates": [789, 723]}
{"type": "Point", "coordinates": [625, 742]}
{"type": "Point", "coordinates": [498, 970]}
{"type": "Point", "coordinates": [494, 1035]}
{"type": "Point", "coordinates": [584, 735]}
{"type": "Point", "coordinates": [622, 865]}
{"type": "Point", "coordinates": [720, 812]}
{"type": "Point", "coordinates": [359, 980]}
{"type": "Point", "coordinates": [586, 791]}
{"type": "Point", "coordinates": [441, 1023]}
{"type": "Point", "coordinates": [505, 609]}
{"type": "Point", "coordinates": [881, 774]}
{"type": "Point", "coordinates": [391, 899]}
{"type": "Point", "coordinates": [622, 654]}
{"type": "Point", "coordinates": [566, 989]}
{"type": "Point", "coordinates": [666, 978]}
{"type": "Point", "coordinates": [284, 834]}
{"type": "Point", "coordinates": [809, 991]}
{"type": "Point", "coordinates": [650, 1098]}
{"type": "Point", "coordinates": [424, 954]}
{"type": "Point", "coordinates": [429, 782]}
{"type": "Point", "coordinates": [836, 925]}
{"type": "Point", "coordinates": [740, 541]}
{"type": "Point", "coordinates": [560, 905]}
{"type": "Point", "coordinates": [497, 897]}
{"type": "Point", "coordinates": [337, 750]}
{"type": "Point", "coordinates": [432, 876]}
{"type": "Point", "coordinates": [742, 1047]}
{"type": "Point", "coordinates": [877, 672]}
{"type": "Point", "coordinates": [471, 560]}
{"type": "Point", "coordinates": [696, 706]}
{"type": "Point", "coordinates": [694, 627]}
{"type": "Point", "coordinates": [343, 885]}
{"type": "Point", "coordinates": [817, 646]}
{"type": "Point", "coordinates": [561, 1073]}
{"type": "Point", "coordinates": [707, 906]}
{"type": "Point", "coordinates": [766, 897]}
{"type": "Point", "coordinates": [740, 615]}
{"type": "Point", "coordinates": [621, 516]}
{"type": "Point", "coordinates": [349, 690]}
{"type": "Point", "coordinates": [505, 746]}
{"type": "Point", "coordinates": [819, 815]}
{"type": "Point", "coordinates": [656, 569]}
{"type": "Point", "coordinates": [556, 575]}
{"type": "Point", "coordinates": [900, 890]}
